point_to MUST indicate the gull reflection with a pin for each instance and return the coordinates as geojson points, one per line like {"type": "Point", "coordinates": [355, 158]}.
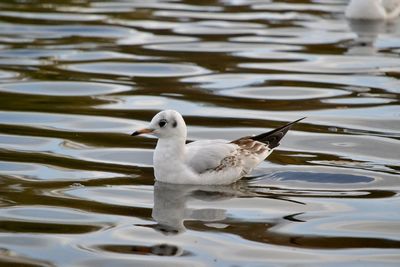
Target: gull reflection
{"type": "Point", "coordinates": [367, 32]}
{"type": "Point", "coordinates": [170, 210]}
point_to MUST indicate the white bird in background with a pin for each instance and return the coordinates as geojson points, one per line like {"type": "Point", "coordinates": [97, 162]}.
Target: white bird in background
{"type": "Point", "coordinates": [205, 162]}
{"type": "Point", "coordinates": [373, 9]}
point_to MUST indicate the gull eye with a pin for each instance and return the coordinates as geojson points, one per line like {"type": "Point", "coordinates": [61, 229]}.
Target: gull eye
{"type": "Point", "coordinates": [162, 123]}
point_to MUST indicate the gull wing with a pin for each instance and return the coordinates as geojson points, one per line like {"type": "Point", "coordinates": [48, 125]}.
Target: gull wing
{"type": "Point", "coordinates": [244, 153]}
{"type": "Point", "coordinates": [206, 155]}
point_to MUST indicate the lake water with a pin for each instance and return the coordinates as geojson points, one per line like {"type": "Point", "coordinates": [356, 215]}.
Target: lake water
{"type": "Point", "coordinates": [78, 76]}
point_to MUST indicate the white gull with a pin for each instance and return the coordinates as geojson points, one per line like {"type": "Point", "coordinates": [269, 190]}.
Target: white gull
{"type": "Point", "coordinates": [205, 162]}
{"type": "Point", "coordinates": [373, 9]}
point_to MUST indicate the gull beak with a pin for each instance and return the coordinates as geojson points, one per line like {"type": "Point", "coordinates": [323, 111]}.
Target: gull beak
{"type": "Point", "coordinates": [142, 131]}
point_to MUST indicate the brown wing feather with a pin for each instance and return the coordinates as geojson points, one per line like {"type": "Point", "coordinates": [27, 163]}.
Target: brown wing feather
{"type": "Point", "coordinates": [271, 138]}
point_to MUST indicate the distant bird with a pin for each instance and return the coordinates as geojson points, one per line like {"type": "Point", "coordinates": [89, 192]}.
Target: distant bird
{"type": "Point", "coordinates": [373, 9]}
{"type": "Point", "coordinates": [206, 162]}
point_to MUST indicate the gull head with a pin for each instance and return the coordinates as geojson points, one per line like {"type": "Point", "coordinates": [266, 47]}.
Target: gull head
{"type": "Point", "coordinates": [165, 124]}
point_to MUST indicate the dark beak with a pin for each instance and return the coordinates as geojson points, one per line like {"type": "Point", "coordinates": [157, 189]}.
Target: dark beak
{"type": "Point", "coordinates": [142, 131]}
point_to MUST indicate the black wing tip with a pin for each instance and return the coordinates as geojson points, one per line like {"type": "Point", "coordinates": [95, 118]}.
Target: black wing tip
{"type": "Point", "coordinates": [302, 118]}
{"type": "Point", "coordinates": [289, 125]}
{"type": "Point", "coordinates": [273, 137]}
{"type": "Point", "coordinates": [297, 121]}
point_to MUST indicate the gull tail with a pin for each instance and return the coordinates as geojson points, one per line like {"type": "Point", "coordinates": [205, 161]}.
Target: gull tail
{"type": "Point", "coordinates": [273, 137]}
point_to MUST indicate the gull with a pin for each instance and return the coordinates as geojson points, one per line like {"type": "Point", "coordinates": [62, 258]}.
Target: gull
{"type": "Point", "coordinates": [373, 9]}
{"type": "Point", "coordinates": [205, 162]}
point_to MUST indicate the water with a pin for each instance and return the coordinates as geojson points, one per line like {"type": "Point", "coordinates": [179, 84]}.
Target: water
{"type": "Point", "coordinates": [77, 77]}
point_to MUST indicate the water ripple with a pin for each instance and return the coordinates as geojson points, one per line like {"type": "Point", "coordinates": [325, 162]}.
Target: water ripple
{"type": "Point", "coordinates": [139, 69]}
{"type": "Point", "coordinates": [63, 88]}
{"type": "Point", "coordinates": [78, 77]}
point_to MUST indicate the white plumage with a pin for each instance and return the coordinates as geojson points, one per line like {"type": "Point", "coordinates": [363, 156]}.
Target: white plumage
{"type": "Point", "coordinates": [373, 9]}
{"type": "Point", "coordinates": [208, 162]}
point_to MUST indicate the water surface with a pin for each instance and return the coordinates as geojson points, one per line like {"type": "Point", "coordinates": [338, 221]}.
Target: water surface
{"type": "Point", "coordinates": [77, 77]}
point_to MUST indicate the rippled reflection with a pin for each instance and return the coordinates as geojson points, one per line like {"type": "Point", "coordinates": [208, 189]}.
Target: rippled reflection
{"type": "Point", "coordinates": [170, 209]}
